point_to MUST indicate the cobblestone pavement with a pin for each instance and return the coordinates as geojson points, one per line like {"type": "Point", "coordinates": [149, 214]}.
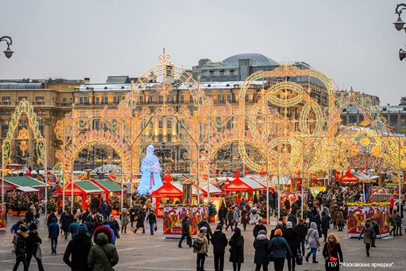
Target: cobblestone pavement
{"type": "Point", "coordinates": [152, 252]}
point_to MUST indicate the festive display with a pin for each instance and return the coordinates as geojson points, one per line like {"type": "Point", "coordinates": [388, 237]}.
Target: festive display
{"type": "Point", "coordinates": [173, 216]}
{"type": "Point", "coordinates": [150, 168]}
{"type": "Point", "coordinates": [3, 217]}
{"type": "Point", "coordinates": [359, 213]}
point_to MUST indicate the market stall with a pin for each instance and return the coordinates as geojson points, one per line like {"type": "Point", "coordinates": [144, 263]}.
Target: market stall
{"type": "Point", "coordinates": [81, 189]}
{"type": "Point", "coordinates": [167, 192]}
{"type": "Point", "coordinates": [174, 214]}
{"type": "Point", "coordinates": [359, 212]}
{"type": "Point", "coordinates": [109, 187]}
{"type": "Point", "coordinates": [245, 186]}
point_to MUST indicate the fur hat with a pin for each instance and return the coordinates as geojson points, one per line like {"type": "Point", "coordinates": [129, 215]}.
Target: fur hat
{"type": "Point", "coordinates": [262, 232]}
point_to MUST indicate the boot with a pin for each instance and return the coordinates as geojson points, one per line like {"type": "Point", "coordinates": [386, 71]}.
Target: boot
{"type": "Point", "coordinates": [307, 257]}
{"type": "Point", "coordinates": [367, 252]}
{"type": "Point", "coordinates": [314, 260]}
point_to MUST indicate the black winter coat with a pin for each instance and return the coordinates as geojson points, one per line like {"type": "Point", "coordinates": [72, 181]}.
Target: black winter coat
{"type": "Point", "coordinates": [76, 253]}
{"type": "Point", "coordinates": [261, 244]}
{"type": "Point", "coordinates": [236, 249]}
{"type": "Point", "coordinates": [219, 241]}
{"type": "Point", "coordinates": [185, 226]}
{"type": "Point", "coordinates": [325, 222]}
{"type": "Point", "coordinates": [33, 242]}
{"type": "Point", "coordinates": [301, 231]}
{"type": "Point", "coordinates": [335, 251]}
{"type": "Point", "coordinates": [293, 241]}
{"type": "Point", "coordinates": [258, 228]}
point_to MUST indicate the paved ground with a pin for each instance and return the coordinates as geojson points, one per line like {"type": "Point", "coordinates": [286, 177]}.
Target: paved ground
{"type": "Point", "coordinates": [145, 252]}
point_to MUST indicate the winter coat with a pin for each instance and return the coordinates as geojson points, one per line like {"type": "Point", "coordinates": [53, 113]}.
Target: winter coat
{"type": "Point", "coordinates": [50, 218]}
{"type": "Point", "coordinates": [115, 227]}
{"type": "Point", "coordinates": [325, 222]}
{"type": "Point", "coordinates": [21, 244]}
{"type": "Point", "coordinates": [33, 242]}
{"type": "Point", "coordinates": [244, 216]}
{"type": "Point", "coordinates": [301, 231]}
{"type": "Point", "coordinates": [53, 230]}
{"type": "Point", "coordinates": [66, 220]}
{"type": "Point", "coordinates": [279, 247]}
{"type": "Point", "coordinates": [236, 244]}
{"type": "Point", "coordinates": [103, 255]}
{"type": "Point", "coordinates": [140, 220]}
{"type": "Point", "coordinates": [236, 216]}
{"type": "Point", "coordinates": [313, 237]}
{"type": "Point", "coordinates": [258, 228]}
{"type": "Point", "coordinates": [261, 244]}
{"type": "Point", "coordinates": [125, 218]}
{"type": "Point", "coordinates": [230, 215]}
{"type": "Point", "coordinates": [335, 251]}
{"type": "Point", "coordinates": [292, 238]}
{"type": "Point", "coordinates": [219, 241]}
{"type": "Point", "coordinates": [340, 218]}
{"type": "Point", "coordinates": [254, 218]}
{"type": "Point", "coordinates": [292, 218]}
{"type": "Point", "coordinates": [79, 248]}
{"type": "Point", "coordinates": [368, 234]}
{"type": "Point", "coordinates": [185, 227]}
{"type": "Point", "coordinates": [151, 218]}
{"type": "Point", "coordinates": [222, 212]}
{"type": "Point", "coordinates": [202, 239]}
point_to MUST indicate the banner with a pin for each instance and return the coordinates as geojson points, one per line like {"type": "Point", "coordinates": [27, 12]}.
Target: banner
{"type": "Point", "coordinates": [173, 216]}
{"type": "Point", "coordinates": [358, 214]}
{"type": "Point", "coordinates": [3, 217]}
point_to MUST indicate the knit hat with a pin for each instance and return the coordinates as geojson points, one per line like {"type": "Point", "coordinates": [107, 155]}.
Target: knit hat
{"type": "Point", "coordinates": [82, 229]}
{"type": "Point", "coordinates": [278, 232]}
{"type": "Point", "coordinates": [289, 225]}
{"type": "Point", "coordinates": [262, 232]}
{"type": "Point", "coordinates": [219, 227]}
{"type": "Point", "coordinates": [260, 220]}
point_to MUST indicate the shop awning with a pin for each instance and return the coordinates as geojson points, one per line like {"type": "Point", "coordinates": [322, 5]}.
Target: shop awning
{"type": "Point", "coordinates": [80, 188]}
{"type": "Point", "coordinates": [27, 189]}
{"type": "Point", "coordinates": [167, 190]}
{"type": "Point", "coordinates": [23, 181]}
{"type": "Point", "coordinates": [243, 184]}
{"type": "Point", "coordinates": [107, 185]}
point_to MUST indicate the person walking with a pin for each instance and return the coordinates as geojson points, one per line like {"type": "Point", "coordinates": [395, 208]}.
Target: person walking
{"type": "Point", "coordinates": [151, 218]}
{"type": "Point", "coordinates": [223, 214]}
{"type": "Point", "coordinates": [114, 226]}
{"type": "Point", "coordinates": [78, 249]}
{"type": "Point", "coordinates": [292, 238]}
{"type": "Point", "coordinates": [73, 228]}
{"type": "Point", "coordinates": [219, 242]}
{"type": "Point", "coordinates": [279, 248]}
{"type": "Point", "coordinates": [259, 227]}
{"type": "Point", "coordinates": [375, 228]}
{"type": "Point", "coordinates": [185, 232]}
{"type": "Point", "coordinates": [50, 218]}
{"type": "Point", "coordinates": [340, 219]}
{"type": "Point", "coordinates": [230, 219]}
{"type": "Point", "coordinates": [20, 247]}
{"type": "Point", "coordinates": [392, 221]}
{"type": "Point", "coordinates": [236, 244]}
{"type": "Point", "coordinates": [133, 214]}
{"type": "Point", "coordinates": [103, 255]}
{"type": "Point", "coordinates": [325, 224]}
{"type": "Point", "coordinates": [244, 217]}
{"type": "Point", "coordinates": [124, 217]}
{"type": "Point", "coordinates": [140, 221]}
{"type": "Point", "coordinates": [254, 217]}
{"type": "Point", "coordinates": [201, 248]}
{"type": "Point", "coordinates": [292, 218]}
{"type": "Point", "coordinates": [66, 220]}
{"type": "Point", "coordinates": [53, 230]}
{"type": "Point", "coordinates": [368, 232]}
{"type": "Point", "coordinates": [301, 230]}
{"type": "Point", "coordinates": [313, 240]}
{"type": "Point", "coordinates": [237, 218]}
{"type": "Point", "coordinates": [261, 244]}
{"type": "Point", "coordinates": [332, 253]}
{"type": "Point", "coordinates": [398, 224]}
{"type": "Point", "coordinates": [204, 223]}
{"type": "Point", "coordinates": [33, 247]}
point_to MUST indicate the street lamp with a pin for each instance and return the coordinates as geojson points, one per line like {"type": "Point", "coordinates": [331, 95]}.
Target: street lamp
{"type": "Point", "coordinates": [8, 53]}
{"type": "Point", "coordinates": [399, 24]}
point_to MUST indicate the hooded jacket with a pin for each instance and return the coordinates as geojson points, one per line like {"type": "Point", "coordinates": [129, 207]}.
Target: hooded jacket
{"type": "Point", "coordinates": [237, 248]}
{"type": "Point", "coordinates": [261, 244]}
{"type": "Point", "coordinates": [301, 231]}
{"type": "Point", "coordinates": [53, 229]}
{"type": "Point", "coordinates": [312, 237]}
{"type": "Point", "coordinates": [279, 247]}
{"type": "Point", "coordinates": [103, 255]}
{"type": "Point", "coordinates": [219, 241]}
{"type": "Point", "coordinates": [292, 238]}
{"type": "Point", "coordinates": [21, 243]}
{"type": "Point", "coordinates": [79, 248]}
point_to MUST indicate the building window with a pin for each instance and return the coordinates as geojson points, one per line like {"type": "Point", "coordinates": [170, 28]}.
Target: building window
{"type": "Point", "coordinates": [161, 124]}
{"type": "Point", "coordinates": [151, 99]}
{"type": "Point", "coordinates": [247, 98]}
{"type": "Point", "coordinates": [106, 100]}
{"type": "Point", "coordinates": [169, 138]}
{"type": "Point", "coordinates": [168, 124]}
{"type": "Point", "coordinates": [6, 99]}
{"type": "Point", "coordinates": [41, 125]}
{"type": "Point", "coordinates": [182, 99]}
{"type": "Point", "coordinates": [141, 99]}
{"type": "Point", "coordinates": [161, 138]}
{"type": "Point", "coordinates": [219, 98]}
{"type": "Point", "coordinates": [39, 98]}
{"type": "Point", "coordinates": [190, 99]}
{"type": "Point", "coordinates": [115, 100]}
{"type": "Point", "coordinates": [64, 100]}
{"type": "Point", "coordinates": [81, 100]}
{"type": "Point", "coordinates": [4, 127]}
{"type": "Point", "coordinates": [229, 98]}
{"type": "Point", "coordinates": [161, 99]}
{"type": "Point", "coordinates": [22, 98]}
{"type": "Point", "coordinates": [152, 110]}
{"type": "Point", "coordinates": [97, 100]}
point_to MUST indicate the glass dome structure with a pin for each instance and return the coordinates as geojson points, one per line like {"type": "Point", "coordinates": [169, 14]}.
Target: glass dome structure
{"type": "Point", "coordinates": [257, 59]}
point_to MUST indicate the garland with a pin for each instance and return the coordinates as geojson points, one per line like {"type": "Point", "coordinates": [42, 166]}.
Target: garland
{"type": "Point", "coordinates": [362, 204]}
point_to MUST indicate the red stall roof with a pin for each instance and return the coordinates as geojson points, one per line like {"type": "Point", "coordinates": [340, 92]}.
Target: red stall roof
{"type": "Point", "coordinates": [80, 188]}
{"type": "Point", "coordinates": [348, 177]}
{"type": "Point", "coordinates": [167, 190]}
{"type": "Point", "coordinates": [243, 184]}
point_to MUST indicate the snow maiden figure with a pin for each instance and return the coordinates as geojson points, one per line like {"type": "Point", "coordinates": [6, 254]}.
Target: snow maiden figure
{"type": "Point", "coordinates": [151, 170]}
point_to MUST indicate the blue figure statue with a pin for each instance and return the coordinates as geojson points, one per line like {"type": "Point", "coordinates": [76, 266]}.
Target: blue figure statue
{"type": "Point", "coordinates": [150, 168]}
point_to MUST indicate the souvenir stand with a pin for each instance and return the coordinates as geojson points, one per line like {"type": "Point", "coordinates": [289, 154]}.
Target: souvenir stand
{"type": "Point", "coordinates": [165, 193]}
{"type": "Point", "coordinates": [81, 189]}
{"type": "Point", "coordinates": [245, 186]}
{"type": "Point", "coordinates": [109, 187]}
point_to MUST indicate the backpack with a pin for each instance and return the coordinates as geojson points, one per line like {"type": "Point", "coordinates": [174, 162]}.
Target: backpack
{"type": "Point", "coordinates": [197, 246]}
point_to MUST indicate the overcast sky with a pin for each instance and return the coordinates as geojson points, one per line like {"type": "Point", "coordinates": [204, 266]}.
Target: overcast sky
{"type": "Point", "coordinates": [353, 42]}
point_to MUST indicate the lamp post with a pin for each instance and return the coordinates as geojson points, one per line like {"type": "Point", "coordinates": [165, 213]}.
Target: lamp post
{"type": "Point", "coordinates": [399, 25]}
{"type": "Point", "coordinates": [8, 53]}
